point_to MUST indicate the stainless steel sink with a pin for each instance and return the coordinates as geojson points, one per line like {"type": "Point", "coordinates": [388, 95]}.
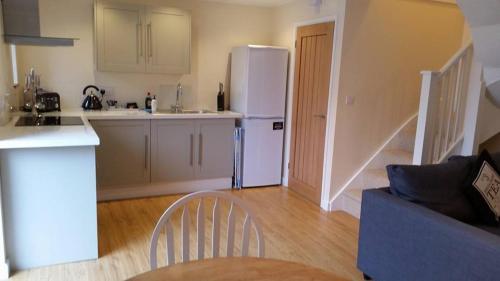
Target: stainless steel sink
{"type": "Point", "coordinates": [185, 111]}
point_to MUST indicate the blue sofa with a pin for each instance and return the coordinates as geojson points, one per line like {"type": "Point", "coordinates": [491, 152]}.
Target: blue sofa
{"type": "Point", "coordinates": [403, 241]}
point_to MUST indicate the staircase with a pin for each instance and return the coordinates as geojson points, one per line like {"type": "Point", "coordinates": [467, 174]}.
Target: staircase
{"type": "Point", "coordinates": [398, 150]}
{"type": "Point", "coordinates": [453, 116]}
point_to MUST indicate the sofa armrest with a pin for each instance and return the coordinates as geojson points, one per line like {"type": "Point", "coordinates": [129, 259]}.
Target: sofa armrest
{"type": "Point", "coordinates": [400, 240]}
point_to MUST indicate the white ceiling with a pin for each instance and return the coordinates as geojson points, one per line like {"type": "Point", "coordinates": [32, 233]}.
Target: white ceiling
{"type": "Point", "coordinates": [263, 3]}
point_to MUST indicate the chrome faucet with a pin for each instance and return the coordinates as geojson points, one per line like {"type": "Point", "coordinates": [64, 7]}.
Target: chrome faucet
{"type": "Point", "coordinates": [178, 100]}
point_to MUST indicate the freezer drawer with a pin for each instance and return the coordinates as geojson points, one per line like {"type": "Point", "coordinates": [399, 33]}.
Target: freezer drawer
{"type": "Point", "coordinates": [262, 152]}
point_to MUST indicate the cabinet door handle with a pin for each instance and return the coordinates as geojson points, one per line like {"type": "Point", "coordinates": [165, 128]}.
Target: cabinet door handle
{"type": "Point", "coordinates": [150, 41]}
{"type": "Point", "coordinates": [191, 155]}
{"type": "Point", "coordinates": [200, 152]}
{"type": "Point", "coordinates": [139, 39]}
{"type": "Point", "coordinates": [146, 148]}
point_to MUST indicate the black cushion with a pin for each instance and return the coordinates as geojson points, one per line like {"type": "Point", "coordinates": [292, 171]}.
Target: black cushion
{"type": "Point", "coordinates": [439, 187]}
{"type": "Point", "coordinates": [484, 212]}
{"type": "Point", "coordinates": [472, 159]}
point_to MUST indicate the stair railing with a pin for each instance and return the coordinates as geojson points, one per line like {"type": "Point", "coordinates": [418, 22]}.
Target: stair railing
{"type": "Point", "coordinates": [442, 109]}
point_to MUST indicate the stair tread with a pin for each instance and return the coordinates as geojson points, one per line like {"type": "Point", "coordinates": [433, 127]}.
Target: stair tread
{"type": "Point", "coordinates": [355, 194]}
{"type": "Point", "coordinates": [405, 156]}
{"type": "Point", "coordinates": [377, 172]}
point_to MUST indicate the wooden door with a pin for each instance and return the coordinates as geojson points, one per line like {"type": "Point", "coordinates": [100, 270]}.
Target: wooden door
{"type": "Point", "coordinates": [173, 150]}
{"type": "Point", "coordinates": [313, 58]}
{"type": "Point", "coordinates": [168, 34]}
{"type": "Point", "coordinates": [215, 157]}
{"type": "Point", "coordinates": [122, 158]}
{"type": "Point", "coordinates": [120, 32]}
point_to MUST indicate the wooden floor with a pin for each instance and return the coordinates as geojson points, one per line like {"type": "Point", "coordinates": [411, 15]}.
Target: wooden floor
{"type": "Point", "coordinates": [294, 230]}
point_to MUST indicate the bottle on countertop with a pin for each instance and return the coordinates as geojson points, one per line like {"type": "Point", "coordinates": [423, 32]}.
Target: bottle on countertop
{"type": "Point", "coordinates": [154, 105]}
{"type": "Point", "coordinates": [147, 103]}
{"type": "Point", "coordinates": [220, 97]}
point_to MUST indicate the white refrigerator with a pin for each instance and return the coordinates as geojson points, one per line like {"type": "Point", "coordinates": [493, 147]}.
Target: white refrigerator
{"type": "Point", "coordinates": [258, 91]}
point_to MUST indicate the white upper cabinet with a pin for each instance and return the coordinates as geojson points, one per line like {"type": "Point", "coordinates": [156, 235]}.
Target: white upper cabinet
{"type": "Point", "coordinates": [169, 40]}
{"type": "Point", "coordinates": [142, 39]}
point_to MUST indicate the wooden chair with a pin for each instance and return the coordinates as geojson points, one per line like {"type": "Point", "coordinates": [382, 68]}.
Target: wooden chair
{"type": "Point", "coordinates": [165, 223]}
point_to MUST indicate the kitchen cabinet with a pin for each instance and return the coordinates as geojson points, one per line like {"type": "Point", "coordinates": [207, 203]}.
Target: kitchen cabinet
{"type": "Point", "coordinates": [142, 39]}
{"type": "Point", "coordinates": [172, 147]}
{"type": "Point", "coordinates": [169, 40]}
{"type": "Point", "coordinates": [119, 37]}
{"type": "Point", "coordinates": [191, 149]}
{"type": "Point", "coordinates": [215, 149]}
{"type": "Point", "coordinates": [122, 158]}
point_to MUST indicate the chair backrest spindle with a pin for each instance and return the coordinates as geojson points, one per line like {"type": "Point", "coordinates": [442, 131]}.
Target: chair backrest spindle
{"type": "Point", "coordinates": [230, 231]}
{"type": "Point", "coordinates": [246, 236]}
{"type": "Point", "coordinates": [170, 243]}
{"type": "Point", "coordinates": [216, 229]}
{"type": "Point", "coordinates": [185, 234]}
{"type": "Point", "coordinates": [201, 229]}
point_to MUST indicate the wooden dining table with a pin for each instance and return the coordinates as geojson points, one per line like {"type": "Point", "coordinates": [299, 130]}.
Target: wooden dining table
{"type": "Point", "coordinates": [238, 269]}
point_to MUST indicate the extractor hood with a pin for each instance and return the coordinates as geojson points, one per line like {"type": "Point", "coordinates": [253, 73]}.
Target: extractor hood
{"type": "Point", "coordinates": [21, 24]}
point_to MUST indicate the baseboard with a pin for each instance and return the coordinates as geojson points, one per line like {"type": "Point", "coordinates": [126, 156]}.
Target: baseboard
{"type": "Point", "coordinates": [4, 270]}
{"type": "Point", "coordinates": [156, 189]}
{"type": "Point", "coordinates": [284, 181]}
{"type": "Point", "coordinates": [331, 206]}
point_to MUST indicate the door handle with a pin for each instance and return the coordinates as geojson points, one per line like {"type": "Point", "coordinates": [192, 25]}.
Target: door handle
{"type": "Point", "coordinates": [322, 116]}
{"type": "Point", "coordinates": [146, 148]}
{"type": "Point", "coordinates": [150, 41]}
{"type": "Point", "coordinates": [191, 153]}
{"type": "Point", "coordinates": [200, 152]}
{"type": "Point", "coordinates": [139, 39]}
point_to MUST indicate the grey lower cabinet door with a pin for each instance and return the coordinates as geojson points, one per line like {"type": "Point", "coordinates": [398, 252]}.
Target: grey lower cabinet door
{"type": "Point", "coordinates": [215, 148]}
{"type": "Point", "coordinates": [173, 150]}
{"type": "Point", "coordinates": [122, 158]}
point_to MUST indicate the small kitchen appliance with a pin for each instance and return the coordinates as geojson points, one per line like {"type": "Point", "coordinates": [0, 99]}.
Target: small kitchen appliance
{"type": "Point", "coordinates": [92, 101]}
{"type": "Point", "coordinates": [258, 91]}
{"type": "Point", "coordinates": [48, 102]}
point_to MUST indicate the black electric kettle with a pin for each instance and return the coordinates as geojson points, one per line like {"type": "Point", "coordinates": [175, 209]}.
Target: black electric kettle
{"type": "Point", "coordinates": [92, 101]}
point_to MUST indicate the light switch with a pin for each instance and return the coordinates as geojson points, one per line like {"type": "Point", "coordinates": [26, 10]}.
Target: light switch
{"type": "Point", "coordinates": [349, 100]}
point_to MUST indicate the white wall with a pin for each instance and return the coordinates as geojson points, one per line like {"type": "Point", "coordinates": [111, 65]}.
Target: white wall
{"type": "Point", "coordinates": [216, 28]}
{"type": "Point", "coordinates": [386, 44]}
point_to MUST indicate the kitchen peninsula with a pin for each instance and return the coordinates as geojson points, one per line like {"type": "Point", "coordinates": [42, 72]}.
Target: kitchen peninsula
{"type": "Point", "coordinates": [50, 174]}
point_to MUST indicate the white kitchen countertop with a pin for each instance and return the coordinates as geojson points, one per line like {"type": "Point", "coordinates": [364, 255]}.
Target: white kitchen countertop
{"type": "Point", "coordinates": [141, 114]}
{"type": "Point", "coordinates": [46, 136]}
{"type": "Point", "coordinates": [12, 137]}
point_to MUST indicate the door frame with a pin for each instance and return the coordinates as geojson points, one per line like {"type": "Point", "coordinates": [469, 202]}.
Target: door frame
{"type": "Point", "coordinates": [332, 102]}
